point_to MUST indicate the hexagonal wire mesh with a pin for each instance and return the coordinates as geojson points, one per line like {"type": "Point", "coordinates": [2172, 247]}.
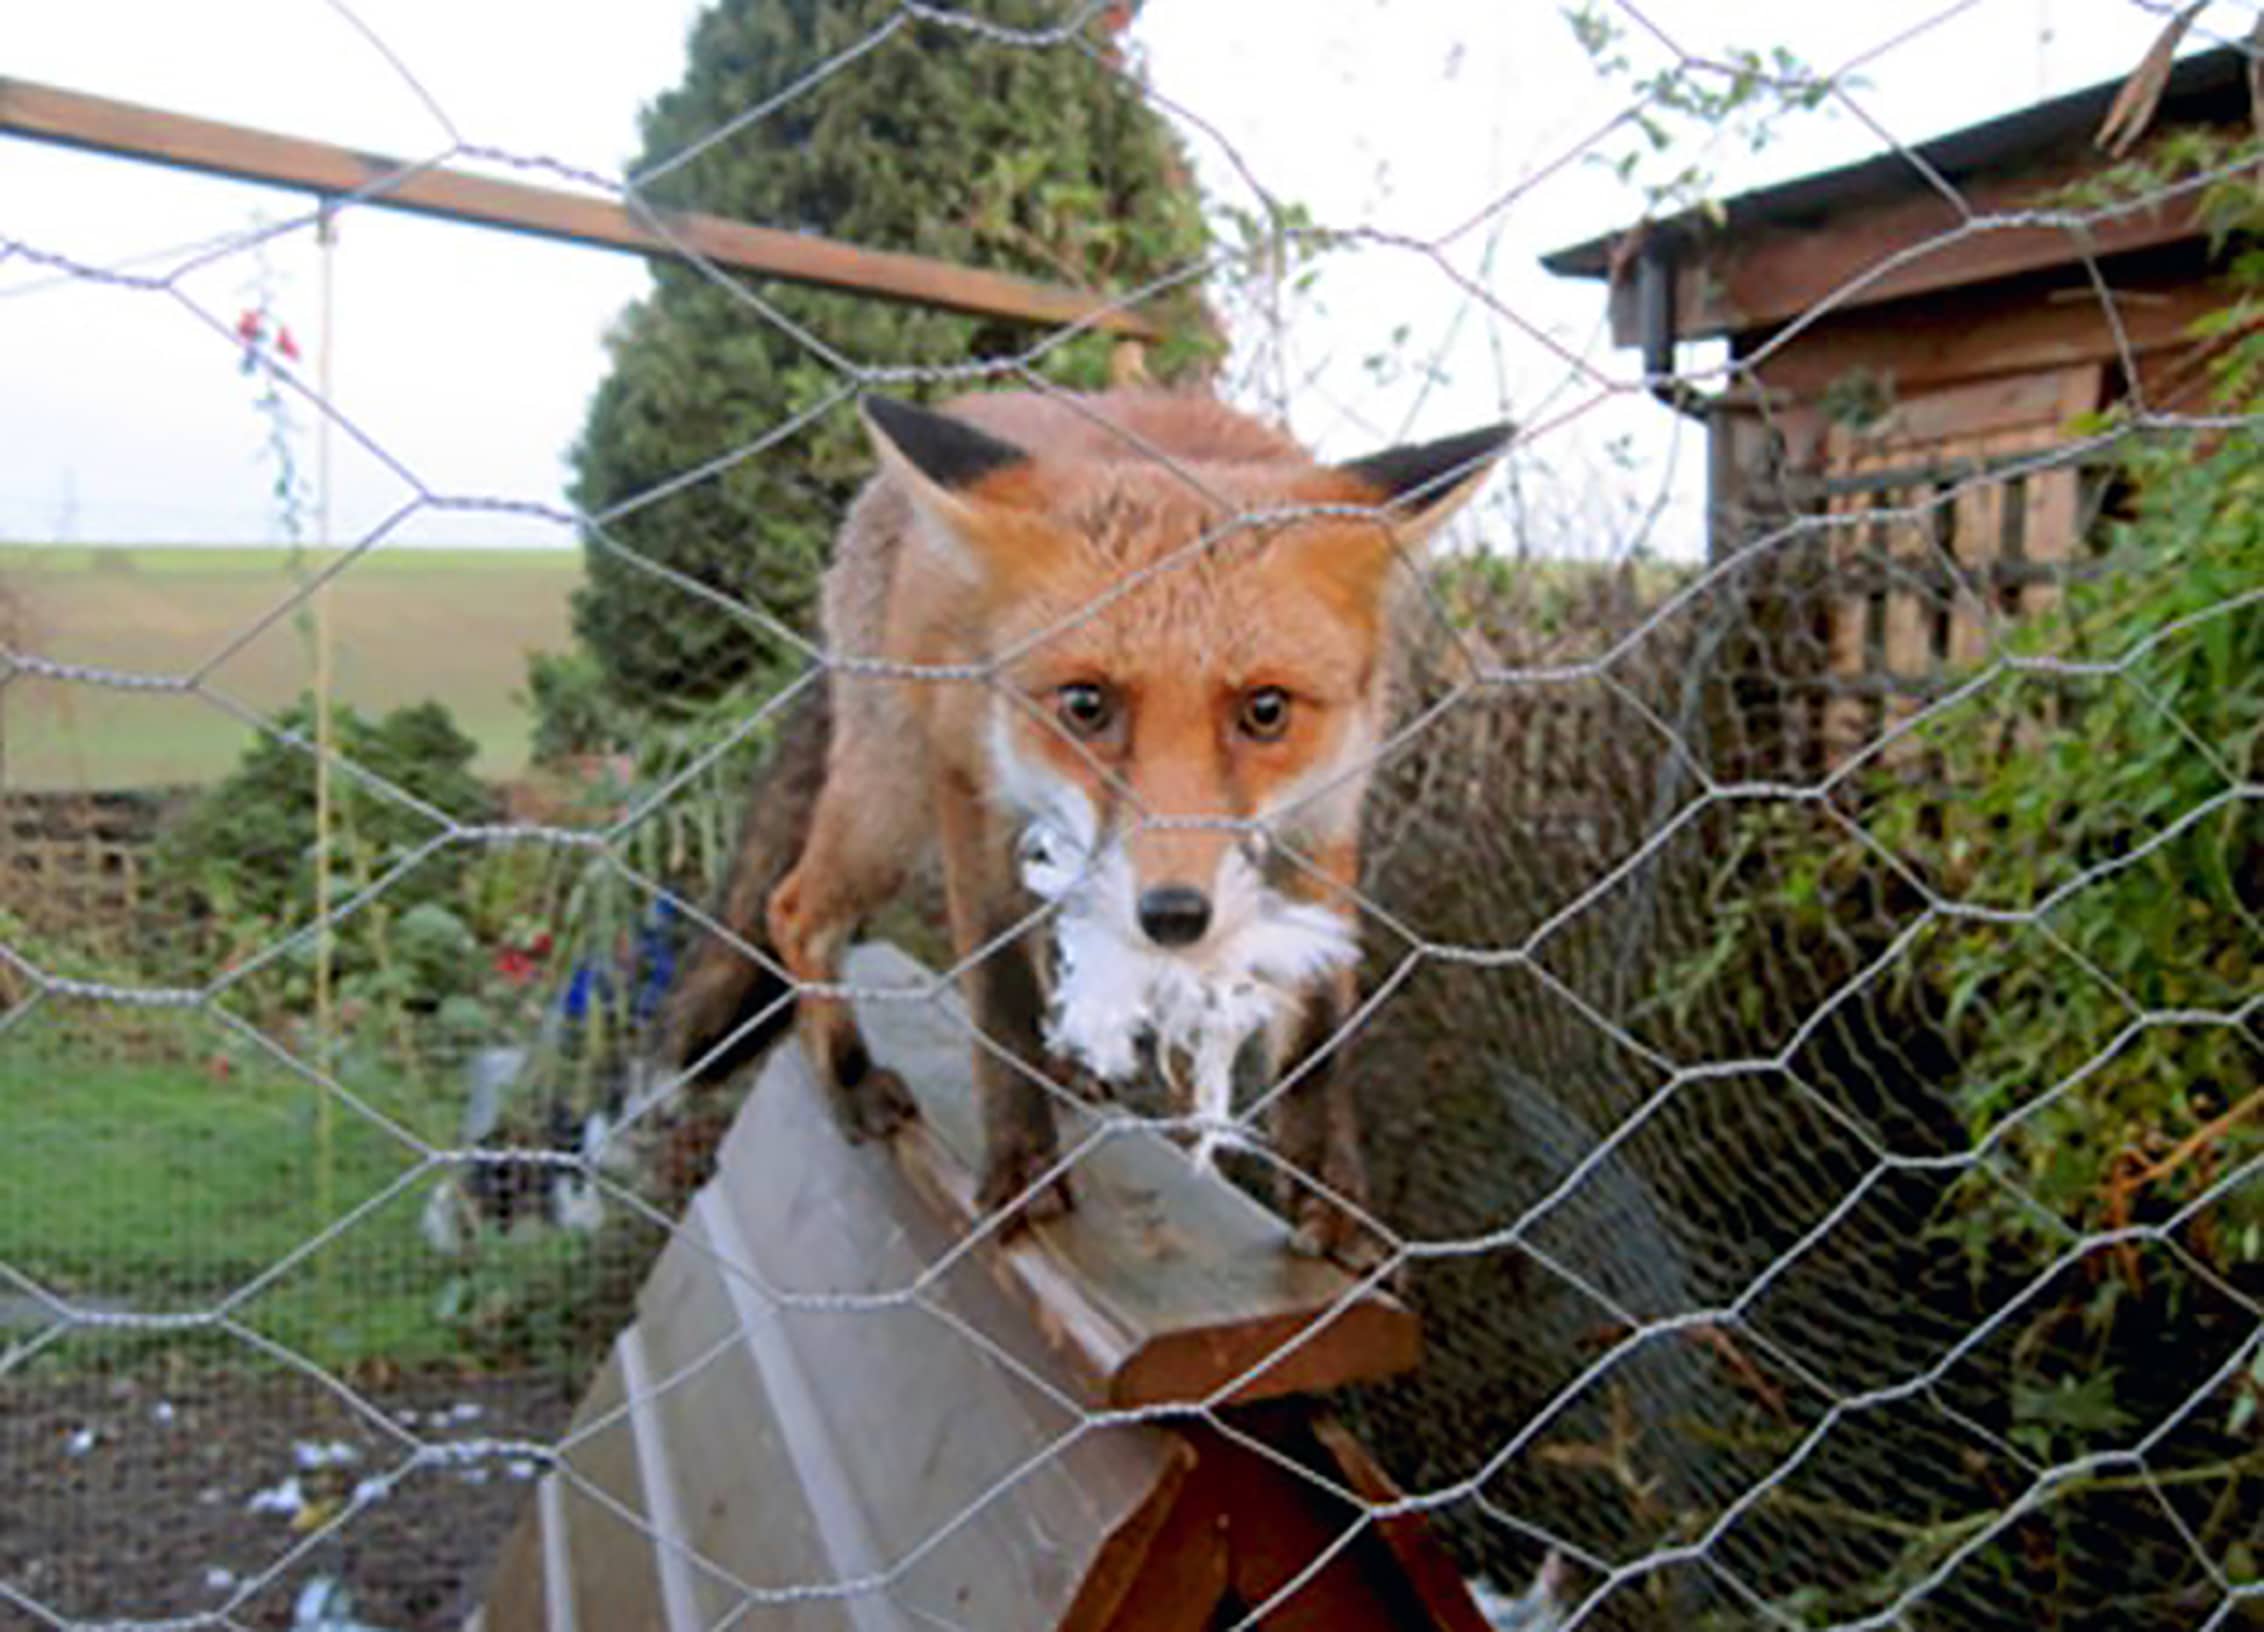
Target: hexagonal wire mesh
{"type": "Point", "coordinates": [1826, 1205]}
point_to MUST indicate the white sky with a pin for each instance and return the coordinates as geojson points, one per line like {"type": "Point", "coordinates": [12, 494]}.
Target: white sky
{"type": "Point", "coordinates": [467, 356]}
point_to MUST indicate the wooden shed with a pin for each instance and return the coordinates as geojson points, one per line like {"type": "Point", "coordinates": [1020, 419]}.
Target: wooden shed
{"type": "Point", "coordinates": [1918, 340]}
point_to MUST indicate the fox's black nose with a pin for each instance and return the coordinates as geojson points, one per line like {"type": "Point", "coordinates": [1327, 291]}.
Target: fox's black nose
{"type": "Point", "coordinates": [1174, 914]}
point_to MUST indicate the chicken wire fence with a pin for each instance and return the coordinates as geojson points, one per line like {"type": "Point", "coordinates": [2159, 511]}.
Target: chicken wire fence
{"type": "Point", "coordinates": [1822, 1205]}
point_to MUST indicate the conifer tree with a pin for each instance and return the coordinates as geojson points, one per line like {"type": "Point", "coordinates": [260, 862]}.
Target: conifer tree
{"type": "Point", "coordinates": [1040, 159]}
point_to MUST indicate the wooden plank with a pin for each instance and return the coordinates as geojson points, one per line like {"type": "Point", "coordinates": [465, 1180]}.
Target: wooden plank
{"type": "Point", "coordinates": [557, 1563]}
{"type": "Point", "coordinates": [2027, 327]}
{"type": "Point", "coordinates": [2051, 533]}
{"type": "Point", "coordinates": [1910, 612]}
{"type": "Point", "coordinates": [744, 1498]}
{"type": "Point", "coordinates": [1248, 1523]}
{"type": "Point", "coordinates": [1436, 1579]}
{"type": "Point", "coordinates": [1915, 246]}
{"type": "Point", "coordinates": [516, 1597]}
{"type": "Point", "coordinates": [679, 1600]}
{"type": "Point", "coordinates": [1278, 1524]}
{"type": "Point", "coordinates": [1847, 719]}
{"type": "Point", "coordinates": [130, 130]}
{"type": "Point", "coordinates": [615, 1584]}
{"type": "Point", "coordinates": [1977, 541]}
{"type": "Point", "coordinates": [1923, 425]}
{"type": "Point", "coordinates": [938, 1425]}
{"type": "Point", "coordinates": [1162, 1285]}
{"type": "Point", "coordinates": [2054, 502]}
{"type": "Point", "coordinates": [1184, 1574]}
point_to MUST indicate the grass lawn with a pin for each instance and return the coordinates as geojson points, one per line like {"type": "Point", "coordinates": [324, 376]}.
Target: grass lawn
{"type": "Point", "coordinates": [407, 624]}
{"type": "Point", "coordinates": [163, 1183]}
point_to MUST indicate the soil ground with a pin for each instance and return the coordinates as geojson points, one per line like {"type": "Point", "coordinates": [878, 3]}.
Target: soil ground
{"type": "Point", "coordinates": [130, 1496]}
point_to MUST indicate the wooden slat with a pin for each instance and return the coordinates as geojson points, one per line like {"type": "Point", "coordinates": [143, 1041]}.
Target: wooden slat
{"type": "Point", "coordinates": [803, 1508]}
{"type": "Point", "coordinates": [130, 130]}
{"type": "Point", "coordinates": [1847, 719]}
{"type": "Point", "coordinates": [1185, 1575]}
{"type": "Point", "coordinates": [1910, 612]}
{"type": "Point", "coordinates": [2025, 328]}
{"type": "Point", "coordinates": [743, 1498]}
{"type": "Point", "coordinates": [941, 1426]}
{"type": "Point", "coordinates": [1762, 277]}
{"type": "Point", "coordinates": [517, 1599]}
{"type": "Point", "coordinates": [2055, 500]}
{"type": "Point", "coordinates": [557, 1560]}
{"type": "Point", "coordinates": [1162, 1285]}
{"type": "Point", "coordinates": [1977, 540]}
{"type": "Point", "coordinates": [1954, 422]}
{"type": "Point", "coordinates": [615, 1584]}
{"type": "Point", "coordinates": [1430, 1571]}
{"type": "Point", "coordinates": [679, 1598]}
{"type": "Point", "coordinates": [2048, 535]}
{"type": "Point", "coordinates": [1279, 1523]}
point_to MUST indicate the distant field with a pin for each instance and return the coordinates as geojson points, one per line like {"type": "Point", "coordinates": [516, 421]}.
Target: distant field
{"type": "Point", "coordinates": [407, 624]}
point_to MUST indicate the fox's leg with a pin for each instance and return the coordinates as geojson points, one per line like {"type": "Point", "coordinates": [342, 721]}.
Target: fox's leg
{"type": "Point", "coordinates": [1316, 1125]}
{"type": "Point", "coordinates": [853, 862]}
{"type": "Point", "coordinates": [1005, 1002]}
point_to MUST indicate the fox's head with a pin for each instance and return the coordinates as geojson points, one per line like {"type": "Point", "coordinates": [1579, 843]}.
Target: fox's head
{"type": "Point", "coordinates": [1190, 653]}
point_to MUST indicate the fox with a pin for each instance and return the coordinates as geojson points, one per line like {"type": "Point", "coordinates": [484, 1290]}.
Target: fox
{"type": "Point", "coordinates": [1123, 661]}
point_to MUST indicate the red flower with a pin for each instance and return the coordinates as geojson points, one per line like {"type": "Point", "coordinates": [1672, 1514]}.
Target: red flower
{"type": "Point", "coordinates": [249, 327]}
{"type": "Point", "coordinates": [515, 966]}
{"type": "Point", "coordinates": [285, 344]}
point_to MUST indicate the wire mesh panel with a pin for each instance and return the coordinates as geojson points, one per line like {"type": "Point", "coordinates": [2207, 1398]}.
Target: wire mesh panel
{"type": "Point", "coordinates": [1807, 1034]}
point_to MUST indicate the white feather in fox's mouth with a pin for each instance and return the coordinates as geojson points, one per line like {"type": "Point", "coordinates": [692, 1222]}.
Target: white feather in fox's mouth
{"type": "Point", "coordinates": [1115, 990]}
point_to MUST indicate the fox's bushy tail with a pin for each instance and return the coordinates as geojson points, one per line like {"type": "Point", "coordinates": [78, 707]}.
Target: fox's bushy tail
{"type": "Point", "coordinates": [726, 1004]}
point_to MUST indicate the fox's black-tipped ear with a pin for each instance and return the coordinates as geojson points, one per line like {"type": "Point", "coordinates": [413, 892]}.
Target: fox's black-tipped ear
{"type": "Point", "coordinates": [1425, 483]}
{"type": "Point", "coordinates": [942, 466]}
{"type": "Point", "coordinates": [948, 454]}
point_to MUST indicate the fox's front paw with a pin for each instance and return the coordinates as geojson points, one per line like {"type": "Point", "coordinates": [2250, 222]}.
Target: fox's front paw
{"type": "Point", "coordinates": [1319, 1228]}
{"type": "Point", "coordinates": [875, 1105]}
{"type": "Point", "coordinates": [1008, 1175]}
{"type": "Point", "coordinates": [1325, 1230]}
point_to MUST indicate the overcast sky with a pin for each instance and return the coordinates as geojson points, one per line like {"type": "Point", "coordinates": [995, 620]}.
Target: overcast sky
{"type": "Point", "coordinates": [467, 356]}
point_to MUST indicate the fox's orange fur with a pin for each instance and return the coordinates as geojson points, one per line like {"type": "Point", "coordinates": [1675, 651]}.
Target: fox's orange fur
{"type": "Point", "coordinates": [1167, 628]}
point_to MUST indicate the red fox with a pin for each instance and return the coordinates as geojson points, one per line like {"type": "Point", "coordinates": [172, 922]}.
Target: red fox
{"type": "Point", "coordinates": [1159, 635]}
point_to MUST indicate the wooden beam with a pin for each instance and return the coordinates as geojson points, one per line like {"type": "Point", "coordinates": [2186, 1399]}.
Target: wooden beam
{"type": "Point", "coordinates": [130, 130]}
{"type": "Point", "coordinates": [2017, 328]}
{"type": "Point", "coordinates": [1772, 276]}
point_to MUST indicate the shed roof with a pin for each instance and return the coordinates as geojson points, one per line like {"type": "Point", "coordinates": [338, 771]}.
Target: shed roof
{"type": "Point", "coordinates": [2204, 87]}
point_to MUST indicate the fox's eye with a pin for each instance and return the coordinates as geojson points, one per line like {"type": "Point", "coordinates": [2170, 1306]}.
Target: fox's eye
{"type": "Point", "coordinates": [1084, 707]}
{"type": "Point", "coordinates": [1265, 713]}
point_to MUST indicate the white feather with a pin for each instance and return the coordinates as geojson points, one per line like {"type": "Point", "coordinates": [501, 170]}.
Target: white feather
{"type": "Point", "coordinates": [1114, 988]}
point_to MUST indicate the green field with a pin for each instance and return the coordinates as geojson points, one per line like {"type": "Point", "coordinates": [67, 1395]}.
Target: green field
{"type": "Point", "coordinates": [406, 624]}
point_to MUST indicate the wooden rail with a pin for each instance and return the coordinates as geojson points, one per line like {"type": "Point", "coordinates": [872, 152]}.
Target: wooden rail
{"type": "Point", "coordinates": [133, 131]}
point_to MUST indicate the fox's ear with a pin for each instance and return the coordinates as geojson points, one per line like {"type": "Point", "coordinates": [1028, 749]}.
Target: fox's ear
{"type": "Point", "coordinates": [1422, 484]}
{"type": "Point", "coordinates": [960, 481]}
{"type": "Point", "coordinates": [930, 450]}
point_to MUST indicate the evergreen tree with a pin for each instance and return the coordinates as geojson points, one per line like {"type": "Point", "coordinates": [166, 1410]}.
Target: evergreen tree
{"type": "Point", "coordinates": [1037, 159]}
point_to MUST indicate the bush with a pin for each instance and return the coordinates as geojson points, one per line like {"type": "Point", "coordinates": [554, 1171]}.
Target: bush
{"type": "Point", "coordinates": [238, 869]}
